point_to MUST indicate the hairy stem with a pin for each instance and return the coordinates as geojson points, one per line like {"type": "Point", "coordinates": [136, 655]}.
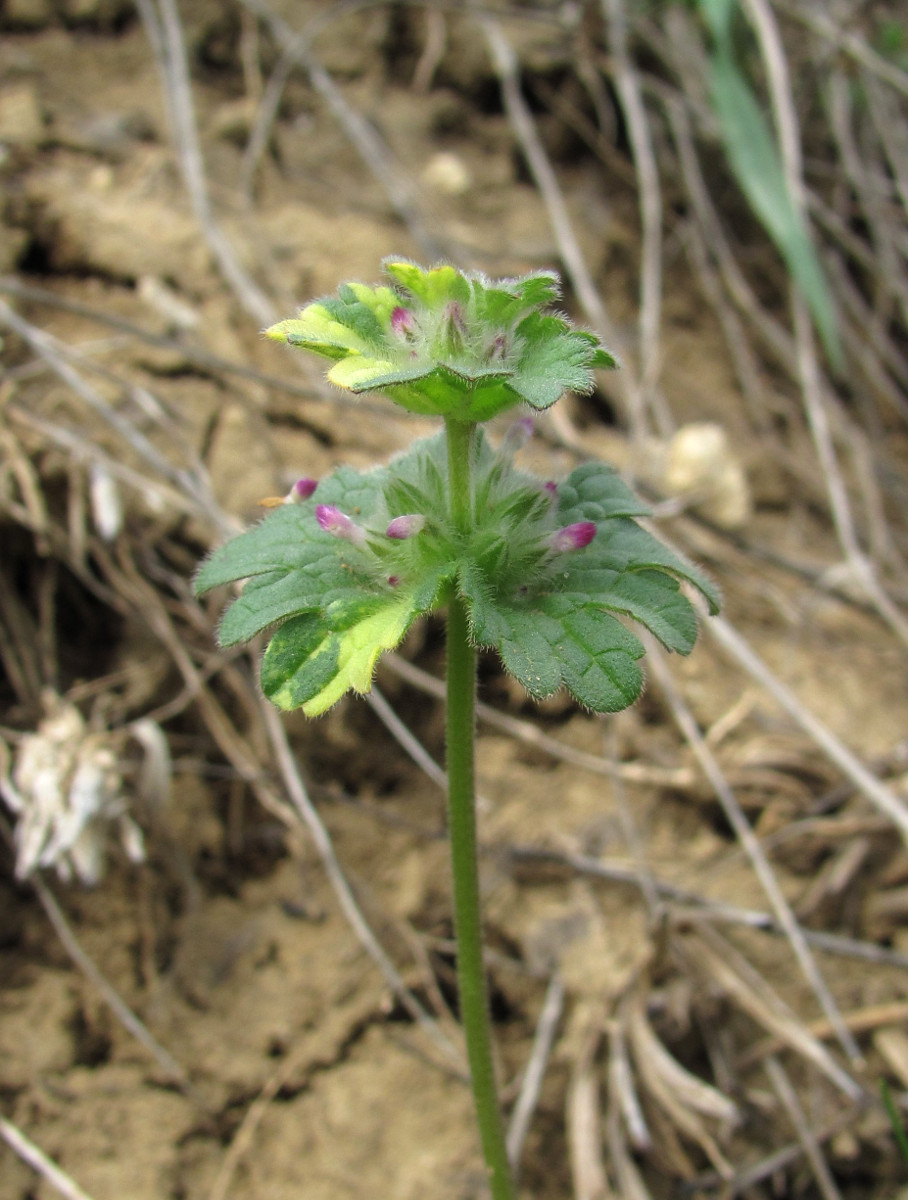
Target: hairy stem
{"type": "Point", "coordinates": [474, 1005]}
{"type": "Point", "coordinates": [460, 436]}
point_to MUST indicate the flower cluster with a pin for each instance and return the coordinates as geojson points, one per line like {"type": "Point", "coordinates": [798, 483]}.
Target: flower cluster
{"type": "Point", "coordinates": [449, 343]}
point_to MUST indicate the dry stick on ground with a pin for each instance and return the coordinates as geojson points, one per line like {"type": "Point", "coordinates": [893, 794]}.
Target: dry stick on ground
{"type": "Point", "coordinates": [816, 401]}
{"type": "Point", "coordinates": [296, 790]}
{"type": "Point", "coordinates": [81, 449]}
{"type": "Point", "coordinates": [715, 960]}
{"type": "Point", "coordinates": [534, 1073]}
{"type": "Point", "coordinates": [147, 602]}
{"type": "Point", "coordinates": [162, 23]}
{"type": "Point", "coordinates": [876, 792]}
{"type": "Point", "coordinates": [118, 1006]}
{"type": "Point", "coordinates": [205, 360]}
{"type": "Point", "coordinates": [623, 1090]}
{"type": "Point", "coordinates": [39, 1162]}
{"type": "Point", "coordinates": [736, 818]}
{"type": "Point", "coordinates": [812, 1150]}
{"type": "Point", "coordinates": [680, 778]}
{"type": "Point", "coordinates": [650, 317]}
{"type": "Point", "coordinates": [375, 154]}
{"type": "Point", "coordinates": [851, 43]}
{"type": "Point", "coordinates": [773, 335]}
{"type": "Point", "coordinates": [583, 1119]}
{"type": "Point", "coordinates": [55, 355]}
{"type": "Point", "coordinates": [405, 738]}
{"type": "Point", "coordinates": [506, 66]}
{"type": "Point", "coordinates": [884, 265]}
{"type": "Point", "coordinates": [861, 1020]}
{"type": "Point", "coordinates": [244, 1136]}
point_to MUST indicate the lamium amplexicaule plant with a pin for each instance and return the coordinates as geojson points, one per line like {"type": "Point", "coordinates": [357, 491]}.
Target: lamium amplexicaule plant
{"type": "Point", "coordinates": [543, 571]}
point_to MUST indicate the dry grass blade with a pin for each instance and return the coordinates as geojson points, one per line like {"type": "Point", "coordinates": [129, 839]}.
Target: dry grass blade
{"type": "Point", "coordinates": [876, 792]}
{"type": "Point", "coordinates": [812, 1151]}
{"type": "Point", "coordinates": [118, 1006]}
{"type": "Point", "coordinates": [165, 31]}
{"type": "Point", "coordinates": [754, 851]}
{"type": "Point", "coordinates": [507, 69]}
{"type": "Point", "coordinates": [717, 962]}
{"type": "Point", "coordinates": [690, 1090]}
{"type": "Point", "coordinates": [373, 151]}
{"type": "Point", "coordinates": [584, 1124]}
{"type": "Point", "coordinates": [892, 1045]}
{"type": "Point", "coordinates": [405, 738]}
{"type": "Point", "coordinates": [680, 778]}
{"type": "Point", "coordinates": [39, 1162]}
{"type": "Point", "coordinates": [347, 901]}
{"type": "Point", "coordinates": [681, 1095]}
{"type": "Point", "coordinates": [628, 87]}
{"type": "Point", "coordinates": [623, 1091]}
{"type": "Point", "coordinates": [630, 1181]}
{"type": "Point", "coordinates": [863, 1020]}
{"type": "Point", "coordinates": [528, 1097]}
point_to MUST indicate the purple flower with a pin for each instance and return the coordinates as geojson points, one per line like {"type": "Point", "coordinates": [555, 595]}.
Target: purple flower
{"type": "Point", "coordinates": [302, 490]}
{"type": "Point", "coordinates": [551, 487]}
{"type": "Point", "coordinates": [572, 537]}
{"type": "Point", "coordinates": [337, 523]}
{"type": "Point", "coordinates": [407, 526]}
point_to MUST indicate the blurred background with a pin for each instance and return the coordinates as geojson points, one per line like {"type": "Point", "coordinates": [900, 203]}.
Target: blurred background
{"type": "Point", "coordinates": [227, 966]}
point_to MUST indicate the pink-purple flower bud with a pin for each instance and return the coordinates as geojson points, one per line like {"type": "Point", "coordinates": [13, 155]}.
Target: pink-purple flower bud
{"type": "Point", "coordinates": [338, 524]}
{"type": "Point", "coordinates": [402, 321]}
{"type": "Point", "coordinates": [453, 329]}
{"type": "Point", "coordinates": [572, 537]}
{"type": "Point", "coordinates": [407, 526]}
{"type": "Point", "coordinates": [302, 490]}
{"type": "Point", "coordinates": [499, 348]}
{"type": "Point", "coordinates": [551, 487]}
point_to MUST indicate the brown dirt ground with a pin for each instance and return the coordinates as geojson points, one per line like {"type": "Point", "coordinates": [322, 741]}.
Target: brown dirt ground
{"type": "Point", "coordinates": [228, 942]}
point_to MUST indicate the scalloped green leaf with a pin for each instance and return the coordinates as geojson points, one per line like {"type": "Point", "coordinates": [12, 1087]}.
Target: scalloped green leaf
{"type": "Point", "coordinates": [550, 642]}
{"type": "Point", "coordinates": [302, 670]}
{"type": "Point", "coordinates": [596, 492]}
{"type": "Point", "coordinates": [599, 661]}
{"type": "Point", "coordinates": [555, 359]}
{"type": "Point", "coordinates": [300, 661]}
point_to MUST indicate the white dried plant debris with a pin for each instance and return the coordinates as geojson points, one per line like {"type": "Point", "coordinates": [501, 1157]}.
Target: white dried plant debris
{"type": "Point", "coordinates": [702, 467]}
{"type": "Point", "coordinates": [106, 502]}
{"type": "Point", "coordinates": [67, 791]}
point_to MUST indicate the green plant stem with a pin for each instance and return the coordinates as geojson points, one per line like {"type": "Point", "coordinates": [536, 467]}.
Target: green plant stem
{"type": "Point", "coordinates": [460, 435]}
{"type": "Point", "coordinates": [460, 723]}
